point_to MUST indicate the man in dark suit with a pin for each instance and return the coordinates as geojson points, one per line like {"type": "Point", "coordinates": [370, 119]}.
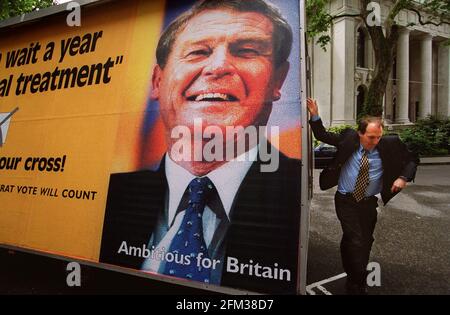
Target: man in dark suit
{"type": "Point", "coordinates": [367, 163]}
{"type": "Point", "coordinates": [219, 221]}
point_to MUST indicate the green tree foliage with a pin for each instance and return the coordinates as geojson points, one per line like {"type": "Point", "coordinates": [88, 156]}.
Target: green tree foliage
{"type": "Point", "coordinates": [11, 8]}
{"type": "Point", "coordinates": [384, 37]}
{"type": "Point", "coordinates": [428, 137]}
{"type": "Point", "coordinates": [319, 21]}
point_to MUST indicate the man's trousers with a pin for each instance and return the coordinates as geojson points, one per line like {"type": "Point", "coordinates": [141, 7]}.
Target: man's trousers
{"type": "Point", "coordinates": [358, 221]}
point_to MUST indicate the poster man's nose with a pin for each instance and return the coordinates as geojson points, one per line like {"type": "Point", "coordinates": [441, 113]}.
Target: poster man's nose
{"type": "Point", "coordinates": [219, 63]}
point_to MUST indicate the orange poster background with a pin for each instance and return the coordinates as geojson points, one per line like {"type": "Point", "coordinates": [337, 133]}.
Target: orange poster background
{"type": "Point", "coordinates": [96, 127]}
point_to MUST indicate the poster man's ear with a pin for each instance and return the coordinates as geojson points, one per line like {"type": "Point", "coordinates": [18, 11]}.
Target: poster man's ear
{"type": "Point", "coordinates": [279, 77]}
{"type": "Point", "coordinates": [156, 81]}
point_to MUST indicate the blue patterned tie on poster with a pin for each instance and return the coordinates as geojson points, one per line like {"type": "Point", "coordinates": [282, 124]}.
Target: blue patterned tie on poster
{"type": "Point", "coordinates": [189, 240]}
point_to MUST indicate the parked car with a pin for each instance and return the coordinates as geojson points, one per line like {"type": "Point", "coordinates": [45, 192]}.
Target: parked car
{"type": "Point", "coordinates": [323, 155]}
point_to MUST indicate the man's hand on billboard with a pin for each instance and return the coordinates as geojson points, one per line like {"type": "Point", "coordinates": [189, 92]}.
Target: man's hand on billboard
{"type": "Point", "coordinates": [312, 107]}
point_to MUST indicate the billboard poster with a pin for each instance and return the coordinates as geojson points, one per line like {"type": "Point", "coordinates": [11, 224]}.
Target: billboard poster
{"type": "Point", "coordinates": [159, 136]}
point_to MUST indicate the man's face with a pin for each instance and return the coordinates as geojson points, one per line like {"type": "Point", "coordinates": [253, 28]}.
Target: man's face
{"type": "Point", "coordinates": [371, 137]}
{"type": "Point", "coordinates": [221, 70]}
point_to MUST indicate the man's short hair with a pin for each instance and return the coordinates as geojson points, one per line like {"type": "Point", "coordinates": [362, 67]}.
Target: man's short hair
{"type": "Point", "coordinates": [366, 120]}
{"type": "Point", "coordinates": [282, 33]}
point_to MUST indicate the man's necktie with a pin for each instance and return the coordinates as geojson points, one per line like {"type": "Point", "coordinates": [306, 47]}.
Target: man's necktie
{"type": "Point", "coordinates": [362, 181]}
{"type": "Point", "coordinates": [189, 240]}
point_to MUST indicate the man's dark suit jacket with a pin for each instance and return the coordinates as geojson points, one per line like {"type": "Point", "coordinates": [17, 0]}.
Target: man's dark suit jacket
{"type": "Point", "coordinates": [264, 228]}
{"type": "Point", "coordinates": [396, 159]}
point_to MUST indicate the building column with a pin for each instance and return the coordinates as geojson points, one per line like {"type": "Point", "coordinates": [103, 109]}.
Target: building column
{"type": "Point", "coordinates": [443, 108]}
{"type": "Point", "coordinates": [402, 104]}
{"type": "Point", "coordinates": [321, 81]}
{"type": "Point", "coordinates": [343, 110]}
{"type": "Point", "coordinates": [426, 75]}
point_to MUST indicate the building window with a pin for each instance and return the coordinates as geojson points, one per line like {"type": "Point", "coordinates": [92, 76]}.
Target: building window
{"type": "Point", "coordinates": [361, 49]}
{"type": "Point", "coordinates": [360, 97]}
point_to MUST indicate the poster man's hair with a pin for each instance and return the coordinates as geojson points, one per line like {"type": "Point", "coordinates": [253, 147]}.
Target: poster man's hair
{"type": "Point", "coordinates": [282, 33]}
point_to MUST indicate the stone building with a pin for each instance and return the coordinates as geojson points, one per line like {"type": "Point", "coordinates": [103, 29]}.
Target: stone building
{"type": "Point", "coordinates": [418, 84]}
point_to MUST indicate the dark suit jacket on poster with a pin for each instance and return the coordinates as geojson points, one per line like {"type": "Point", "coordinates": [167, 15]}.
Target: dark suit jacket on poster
{"type": "Point", "coordinates": [396, 159]}
{"type": "Point", "coordinates": [264, 228]}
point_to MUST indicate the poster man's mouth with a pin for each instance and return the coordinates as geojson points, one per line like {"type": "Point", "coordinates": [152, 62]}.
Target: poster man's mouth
{"type": "Point", "coordinates": [213, 97]}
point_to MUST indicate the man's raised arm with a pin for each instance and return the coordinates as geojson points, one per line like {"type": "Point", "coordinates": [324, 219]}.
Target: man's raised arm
{"type": "Point", "coordinates": [317, 126]}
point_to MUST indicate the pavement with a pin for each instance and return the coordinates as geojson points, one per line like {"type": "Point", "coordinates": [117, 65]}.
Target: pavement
{"type": "Point", "coordinates": [435, 160]}
{"type": "Point", "coordinates": [412, 240]}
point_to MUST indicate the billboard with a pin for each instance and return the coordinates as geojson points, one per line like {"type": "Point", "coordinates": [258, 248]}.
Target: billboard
{"type": "Point", "coordinates": [159, 136]}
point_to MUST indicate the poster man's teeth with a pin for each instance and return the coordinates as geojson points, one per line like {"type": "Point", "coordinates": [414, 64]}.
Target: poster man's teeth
{"type": "Point", "coordinates": [202, 97]}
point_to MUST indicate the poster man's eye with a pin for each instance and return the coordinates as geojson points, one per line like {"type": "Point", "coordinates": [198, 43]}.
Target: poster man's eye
{"type": "Point", "coordinates": [198, 52]}
{"type": "Point", "coordinates": [248, 52]}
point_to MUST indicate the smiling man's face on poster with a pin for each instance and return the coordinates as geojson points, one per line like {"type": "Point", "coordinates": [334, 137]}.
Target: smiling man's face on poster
{"type": "Point", "coordinates": [221, 69]}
